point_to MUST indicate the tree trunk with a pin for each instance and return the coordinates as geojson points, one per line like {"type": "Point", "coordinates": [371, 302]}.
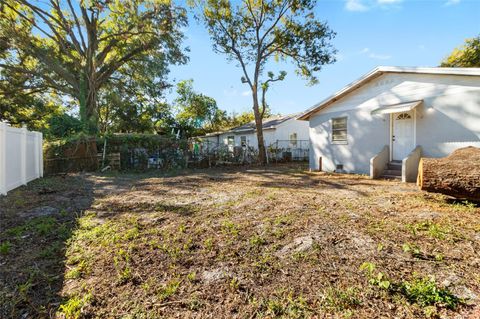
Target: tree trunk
{"type": "Point", "coordinates": [262, 158]}
{"type": "Point", "coordinates": [457, 175]}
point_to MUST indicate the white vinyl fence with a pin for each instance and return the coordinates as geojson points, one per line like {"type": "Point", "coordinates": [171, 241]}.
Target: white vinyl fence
{"type": "Point", "coordinates": [21, 157]}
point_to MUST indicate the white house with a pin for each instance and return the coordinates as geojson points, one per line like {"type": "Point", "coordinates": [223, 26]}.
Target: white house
{"type": "Point", "coordinates": [385, 121]}
{"type": "Point", "coordinates": [281, 131]}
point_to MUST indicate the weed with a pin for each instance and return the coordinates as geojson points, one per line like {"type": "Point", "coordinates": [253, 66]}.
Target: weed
{"type": "Point", "coordinates": [256, 241]}
{"type": "Point", "coordinates": [5, 247]}
{"type": "Point", "coordinates": [122, 265]}
{"type": "Point", "coordinates": [208, 244]}
{"type": "Point", "coordinates": [192, 277]}
{"type": "Point", "coordinates": [413, 250]}
{"type": "Point", "coordinates": [169, 289]}
{"type": "Point", "coordinates": [431, 229]}
{"type": "Point", "coordinates": [286, 306]}
{"type": "Point", "coordinates": [72, 308]}
{"type": "Point", "coordinates": [234, 284]}
{"type": "Point", "coordinates": [229, 228]}
{"type": "Point", "coordinates": [340, 299]}
{"type": "Point", "coordinates": [421, 291]}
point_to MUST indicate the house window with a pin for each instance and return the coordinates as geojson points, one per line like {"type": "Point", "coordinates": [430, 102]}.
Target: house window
{"type": "Point", "coordinates": [339, 129]}
{"type": "Point", "coordinates": [243, 141]}
{"type": "Point", "coordinates": [231, 143]}
{"type": "Point", "coordinates": [293, 139]}
{"type": "Point", "coordinates": [404, 116]}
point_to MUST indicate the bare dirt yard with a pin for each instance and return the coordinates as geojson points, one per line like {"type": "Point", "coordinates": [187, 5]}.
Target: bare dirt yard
{"type": "Point", "coordinates": [275, 242]}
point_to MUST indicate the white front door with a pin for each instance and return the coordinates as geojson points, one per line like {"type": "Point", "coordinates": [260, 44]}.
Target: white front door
{"type": "Point", "coordinates": [403, 135]}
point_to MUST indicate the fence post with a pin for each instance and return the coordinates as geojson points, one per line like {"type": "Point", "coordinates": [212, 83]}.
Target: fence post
{"type": "Point", "coordinates": [23, 152]}
{"type": "Point", "coordinates": [40, 153]}
{"type": "Point", "coordinates": [3, 158]}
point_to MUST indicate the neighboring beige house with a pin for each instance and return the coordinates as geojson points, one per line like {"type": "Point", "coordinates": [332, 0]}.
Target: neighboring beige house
{"type": "Point", "coordinates": [385, 121]}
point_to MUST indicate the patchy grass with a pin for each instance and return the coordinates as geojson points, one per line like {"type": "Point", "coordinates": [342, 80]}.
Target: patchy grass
{"type": "Point", "coordinates": [236, 243]}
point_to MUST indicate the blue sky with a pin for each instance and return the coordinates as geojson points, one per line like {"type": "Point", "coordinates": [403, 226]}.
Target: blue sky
{"type": "Point", "coordinates": [369, 33]}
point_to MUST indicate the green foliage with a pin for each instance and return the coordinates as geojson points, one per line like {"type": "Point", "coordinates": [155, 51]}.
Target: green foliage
{"type": "Point", "coordinates": [196, 113]}
{"type": "Point", "coordinates": [5, 247]}
{"type": "Point", "coordinates": [340, 299]}
{"type": "Point", "coordinates": [169, 289]}
{"type": "Point", "coordinates": [72, 308]}
{"type": "Point", "coordinates": [422, 291]}
{"type": "Point", "coordinates": [76, 49]}
{"type": "Point", "coordinates": [425, 292]}
{"type": "Point", "coordinates": [466, 56]}
{"type": "Point", "coordinates": [63, 125]}
{"type": "Point", "coordinates": [286, 305]}
{"type": "Point", "coordinates": [432, 229]}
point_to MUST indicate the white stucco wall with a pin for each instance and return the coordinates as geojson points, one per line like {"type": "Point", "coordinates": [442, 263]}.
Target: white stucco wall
{"type": "Point", "coordinates": [448, 119]}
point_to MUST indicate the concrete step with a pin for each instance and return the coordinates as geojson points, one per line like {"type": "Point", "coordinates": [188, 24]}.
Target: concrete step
{"type": "Point", "coordinates": [394, 166]}
{"type": "Point", "coordinates": [395, 172]}
{"type": "Point", "coordinates": [391, 177]}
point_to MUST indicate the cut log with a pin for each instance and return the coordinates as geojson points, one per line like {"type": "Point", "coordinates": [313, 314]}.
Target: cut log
{"type": "Point", "coordinates": [457, 175]}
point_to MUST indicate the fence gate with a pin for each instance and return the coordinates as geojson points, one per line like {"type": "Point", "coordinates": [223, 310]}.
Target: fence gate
{"type": "Point", "coordinates": [21, 157]}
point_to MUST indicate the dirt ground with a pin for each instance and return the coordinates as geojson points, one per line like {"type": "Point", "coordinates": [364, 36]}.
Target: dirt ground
{"type": "Point", "coordinates": [279, 242]}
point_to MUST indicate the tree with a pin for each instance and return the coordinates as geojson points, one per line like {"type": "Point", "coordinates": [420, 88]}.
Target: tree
{"type": "Point", "coordinates": [252, 32]}
{"type": "Point", "coordinates": [76, 48]}
{"type": "Point", "coordinates": [196, 113]}
{"type": "Point", "coordinates": [466, 56]}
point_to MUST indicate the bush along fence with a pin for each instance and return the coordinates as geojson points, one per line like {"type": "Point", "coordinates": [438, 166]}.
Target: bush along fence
{"type": "Point", "coordinates": [21, 158]}
{"type": "Point", "coordinates": [116, 152]}
{"type": "Point", "coordinates": [149, 151]}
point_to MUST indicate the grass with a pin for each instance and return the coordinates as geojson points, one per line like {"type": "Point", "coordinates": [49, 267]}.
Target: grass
{"type": "Point", "coordinates": [222, 243]}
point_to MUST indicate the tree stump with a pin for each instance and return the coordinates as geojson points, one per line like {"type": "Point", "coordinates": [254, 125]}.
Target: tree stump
{"type": "Point", "coordinates": [457, 175]}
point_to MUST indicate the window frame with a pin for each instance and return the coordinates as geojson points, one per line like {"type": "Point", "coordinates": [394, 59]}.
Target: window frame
{"type": "Point", "coordinates": [293, 142]}
{"type": "Point", "coordinates": [333, 130]}
{"type": "Point", "coordinates": [243, 141]}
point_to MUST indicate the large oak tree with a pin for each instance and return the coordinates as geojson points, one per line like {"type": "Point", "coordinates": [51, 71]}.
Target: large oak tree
{"type": "Point", "coordinates": [77, 47]}
{"type": "Point", "coordinates": [253, 32]}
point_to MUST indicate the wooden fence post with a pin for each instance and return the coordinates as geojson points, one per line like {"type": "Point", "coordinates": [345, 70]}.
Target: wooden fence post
{"type": "Point", "coordinates": [3, 166]}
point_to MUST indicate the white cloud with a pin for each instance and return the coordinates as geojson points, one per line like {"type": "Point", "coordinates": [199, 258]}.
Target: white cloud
{"type": "Point", "coordinates": [365, 5]}
{"type": "Point", "coordinates": [355, 5]}
{"type": "Point", "coordinates": [373, 55]}
{"type": "Point", "coordinates": [452, 2]}
{"type": "Point", "coordinates": [246, 93]}
{"type": "Point", "coordinates": [388, 1]}
{"type": "Point", "coordinates": [379, 56]}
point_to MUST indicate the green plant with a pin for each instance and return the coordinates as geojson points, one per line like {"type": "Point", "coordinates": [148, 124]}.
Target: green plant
{"type": "Point", "coordinates": [229, 228]}
{"type": "Point", "coordinates": [208, 243]}
{"type": "Point", "coordinates": [169, 289]}
{"type": "Point", "coordinates": [5, 247]}
{"type": "Point", "coordinates": [340, 299]}
{"type": "Point", "coordinates": [122, 265]}
{"type": "Point", "coordinates": [422, 291]}
{"type": "Point", "coordinates": [430, 228]}
{"type": "Point", "coordinates": [72, 308]}
{"type": "Point", "coordinates": [256, 241]}
{"type": "Point", "coordinates": [377, 279]}
{"type": "Point", "coordinates": [425, 292]}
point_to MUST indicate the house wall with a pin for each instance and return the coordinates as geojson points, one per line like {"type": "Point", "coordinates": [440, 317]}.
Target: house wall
{"type": "Point", "coordinates": [285, 129]}
{"type": "Point", "coordinates": [448, 119]}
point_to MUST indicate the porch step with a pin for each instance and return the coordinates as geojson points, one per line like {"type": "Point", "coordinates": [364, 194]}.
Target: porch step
{"type": "Point", "coordinates": [394, 165]}
{"type": "Point", "coordinates": [384, 176]}
{"type": "Point", "coordinates": [393, 170]}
